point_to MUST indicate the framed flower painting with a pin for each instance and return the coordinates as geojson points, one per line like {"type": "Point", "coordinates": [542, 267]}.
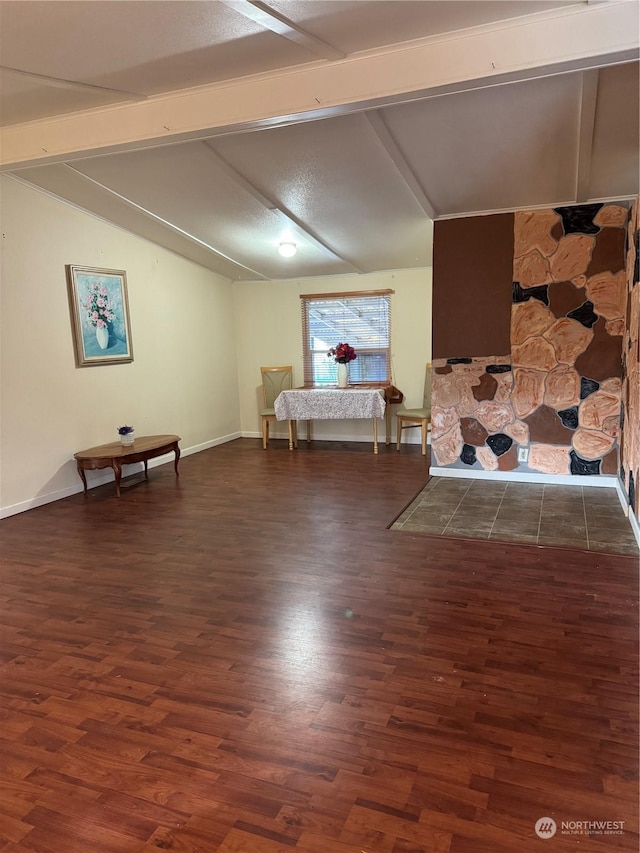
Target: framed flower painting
{"type": "Point", "coordinates": [99, 316]}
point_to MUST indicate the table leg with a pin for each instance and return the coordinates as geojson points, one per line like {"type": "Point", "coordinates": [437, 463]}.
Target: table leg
{"type": "Point", "coordinates": [375, 435]}
{"type": "Point", "coordinates": [290, 423]}
{"type": "Point", "coordinates": [308, 431]}
{"type": "Point", "coordinates": [146, 476]}
{"type": "Point", "coordinates": [82, 476]}
{"type": "Point", "coordinates": [117, 470]}
{"type": "Point", "coordinates": [176, 450]}
{"type": "Point", "coordinates": [387, 420]}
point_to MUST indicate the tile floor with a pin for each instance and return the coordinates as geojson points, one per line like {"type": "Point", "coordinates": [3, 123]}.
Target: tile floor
{"type": "Point", "coordinates": [583, 517]}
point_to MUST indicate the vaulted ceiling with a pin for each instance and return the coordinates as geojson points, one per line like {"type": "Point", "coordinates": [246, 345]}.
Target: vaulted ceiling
{"type": "Point", "coordinates": [221, 129]}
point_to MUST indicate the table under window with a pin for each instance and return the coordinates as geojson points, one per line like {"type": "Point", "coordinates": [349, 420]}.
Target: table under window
{"type": "Point", "coordinates": [309, 404]}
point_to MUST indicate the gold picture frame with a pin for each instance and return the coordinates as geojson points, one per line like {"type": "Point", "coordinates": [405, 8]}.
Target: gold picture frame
{"type": "Point", "coordinates": [99, 307]}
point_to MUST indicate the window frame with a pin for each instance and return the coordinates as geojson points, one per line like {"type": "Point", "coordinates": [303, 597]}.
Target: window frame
{"type": "Point", "coordinates": [309, 355]}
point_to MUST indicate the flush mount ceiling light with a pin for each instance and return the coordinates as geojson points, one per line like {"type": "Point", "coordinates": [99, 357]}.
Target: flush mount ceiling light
{"type": "Point", "coordinates": [287, 250]}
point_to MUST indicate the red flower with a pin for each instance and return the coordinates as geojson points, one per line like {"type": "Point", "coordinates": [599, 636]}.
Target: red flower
{"type": "Point", "coordinates": [342, 353]}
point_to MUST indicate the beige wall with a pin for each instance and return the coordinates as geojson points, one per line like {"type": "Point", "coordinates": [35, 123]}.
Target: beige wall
{"type": "Point", "coordinates": [269, 333]}
{"type": "Point", "coordinates": [183, 344]}
{"type": "Point", "coordinates": [198, 343]}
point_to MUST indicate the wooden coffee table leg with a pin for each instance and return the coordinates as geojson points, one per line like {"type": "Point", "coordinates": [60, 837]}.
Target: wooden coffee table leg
{"type": "Point", "coordinates": [177, 459]}
{"type": "Point", "coordinates": [82, 476]}
{"type": "Point", "coordinates": [117, 470]}
{"type": "Point", "coordinates": [146, 473]}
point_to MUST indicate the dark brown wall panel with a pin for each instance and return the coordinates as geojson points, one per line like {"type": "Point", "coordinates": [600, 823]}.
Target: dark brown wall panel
{"type": "Point", "coordinates": [472, 286]}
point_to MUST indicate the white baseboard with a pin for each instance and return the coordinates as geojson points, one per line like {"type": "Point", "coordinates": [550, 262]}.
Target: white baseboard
{"type": "Point", "coordinates": [635, 526]}
{"type": "Point", "coordinates": [515, 477]}
{"type": "Point", "coordinates": [50, 497]}
{"type": "Point", "coordinates": [106, 476]}
{"type": "Point", "coordinates": [198, 448]}
{"type": "Point", "coordinates": [315, 435]}
{"type": "Point", "coordinates": [633, 521]}
{"type": "Point", "coordinates": [622, 497]}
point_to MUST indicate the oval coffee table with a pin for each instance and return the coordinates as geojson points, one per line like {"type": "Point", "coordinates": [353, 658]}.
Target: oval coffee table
{"type": "Point", "coordinates": [115, 455]}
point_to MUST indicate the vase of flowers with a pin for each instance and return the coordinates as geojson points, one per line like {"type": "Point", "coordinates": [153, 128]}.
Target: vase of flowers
{"type": "Point", "coordinates": [126, 434]}
{"type": "Point", "coordinates": [99, 313]}
{"type": "Point", "coordinates": [342, 354]}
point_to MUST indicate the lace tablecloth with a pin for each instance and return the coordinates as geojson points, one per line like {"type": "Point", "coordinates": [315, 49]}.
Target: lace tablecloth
{"type": "Point", "coordinates": [323, 404]}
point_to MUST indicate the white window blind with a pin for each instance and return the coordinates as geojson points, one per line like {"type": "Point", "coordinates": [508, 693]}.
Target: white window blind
{"type": "Point", "coordinates": [361, 319]}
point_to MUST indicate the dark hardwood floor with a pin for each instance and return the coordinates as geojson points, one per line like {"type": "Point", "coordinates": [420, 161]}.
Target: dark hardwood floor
{"type": "Point", "coordinates": [246, 659]}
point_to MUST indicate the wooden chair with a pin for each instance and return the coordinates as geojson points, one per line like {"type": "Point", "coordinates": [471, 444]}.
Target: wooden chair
{"type": "Point", "coordinates": [417, 417]}
{"type": "Point", "coordinates": [274, 380]}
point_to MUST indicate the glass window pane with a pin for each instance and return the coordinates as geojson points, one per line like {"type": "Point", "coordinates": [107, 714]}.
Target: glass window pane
{"type": "Point", "coordinates": [362, 322]}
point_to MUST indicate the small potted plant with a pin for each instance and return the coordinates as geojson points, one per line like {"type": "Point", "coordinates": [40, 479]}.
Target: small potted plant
{"type": "Point", "coordinates": [342, 354]}
{"type": "Point", "coordinates": [126, 434]}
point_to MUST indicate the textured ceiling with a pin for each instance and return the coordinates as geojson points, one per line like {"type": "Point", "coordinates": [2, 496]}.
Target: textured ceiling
{"type": "Point", "coordinates": [424, 110]}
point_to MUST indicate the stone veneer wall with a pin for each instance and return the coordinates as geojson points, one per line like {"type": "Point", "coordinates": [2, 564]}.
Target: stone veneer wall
{"type": "Point", "coordinates": [630, 439]}
{"type": "Point", "coordinates": [558, 391]}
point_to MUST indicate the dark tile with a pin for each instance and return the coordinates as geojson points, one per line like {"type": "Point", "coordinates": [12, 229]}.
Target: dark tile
{"type": "Point", "coordinates": [433, 506]}
{"type": "Point", "coordinates": [568, 541]}
{"type": "Point", "coordinates": [508, 526]}
{"type": "Point", "coordinates": [430, 517]}
{"type": "Point", "coordinates": [605, 512]}
{"type": "Point", "coordinates": [476, 525]}
{"type": "Point", "coordinates": [561, 511]}
{"type": "Point", "coordinates": [558, 501]}
{"type": "Point", "coordinates": [462, 483]}
{"type": "Point", "coordinates": [560, 493]}
{"type": "Point", "coordinates": [519, 505]}
{"type": "Point", "coordinates": [525, 489]}
{"type": "Point", "coordinates": [612, 534]}
{"type": "Point", "coordinates": [611, 503]}
{"type": "Point", "coordinates": [608, 547]}
{"type": "Point", "coordinates": [467, 533]}
{"type": "Point", "coordinates": [609, 527]}
{"type": "Point", "coordinates": [417, 527]}
{"type": "Point", "coordinates": [600, 495]}
{"type": "Point", "coordinates": [513, 536]}
{"type": "Point", "coordinates": [566, 516]}
{"type": "Point", "coordinates": [480, 506]}
{"type": "Point", "coordinates": [473, 516]}
{"type": "Point", "coordinates": [563, 527]}
{"type": "Point", "coordinates": [487, 486]}
{"type": "Point", "coordinates": [437, 500]}
{"type": "Point", "coordinates": [478, 497]}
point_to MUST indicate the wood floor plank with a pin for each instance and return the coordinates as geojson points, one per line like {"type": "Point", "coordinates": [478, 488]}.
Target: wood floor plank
{"type": "Point", "coordinates": [252, 662]}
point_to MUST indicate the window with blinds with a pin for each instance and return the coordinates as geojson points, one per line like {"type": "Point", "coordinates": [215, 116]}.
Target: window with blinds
{"type": "Point", "coordinates": [361, 319]}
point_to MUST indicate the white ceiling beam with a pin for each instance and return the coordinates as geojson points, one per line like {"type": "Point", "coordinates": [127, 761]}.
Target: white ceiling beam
{"type": "Point", "coordinates": [569, 39]}
{"type": "Point", "coordinates": [270, 19]}
{"type": "Point", "coordinates": [289, 219]}
{"type": "Point", "coordinates": [65, 182]}
{"type": "Point", "coordinates": [73, 85]}
{"type": "Point", "coordinates": [384, 137]}
{"type": "Point", "coordinates": [588, 101]}
{"type": "Point", "coordinates": [164, 222]}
